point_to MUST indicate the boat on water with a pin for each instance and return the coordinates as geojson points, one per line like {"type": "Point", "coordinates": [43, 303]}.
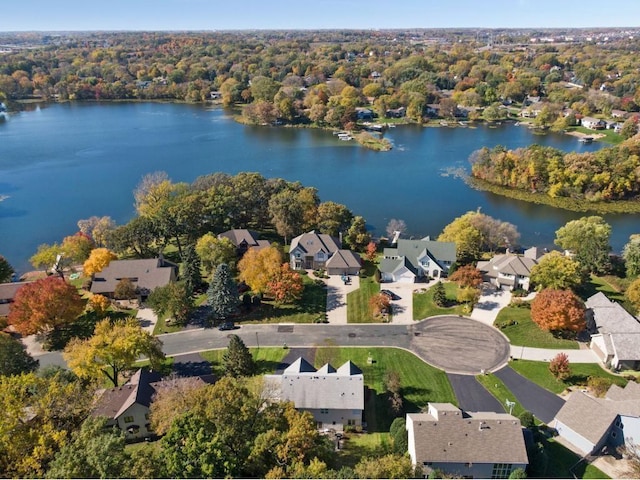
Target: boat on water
{"type": "Point", "coordinates": [586, 140]}
{"type": "Point", "coordinates": [344, 136]}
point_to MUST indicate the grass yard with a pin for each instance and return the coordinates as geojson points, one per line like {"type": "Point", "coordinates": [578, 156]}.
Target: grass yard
{"type": "Point", "coordinates": [557, 461]}
{"type": "Point", "coordinates": [311, 308]}
{"type": "Point", "coordinates": [613, 287]}
{"type": "Point", "coordinates": [421, 383]}
{"type": "Point", "coordinates": [162, 327]}
{"type": "Point", "coordinates": [538, 372]}
{"type": "Point", "coordinates": [358, 446]}
{"type": "Point", "coordinates": [424, 307]}
{"type": "Point", "coordinates": [358, 310]}
{"type": "Point", "coordinates": [498, 389]}
{"type": "Point", "coordinates": [267, 359]}
{"type": "Point", "coordinates": [525, 332]}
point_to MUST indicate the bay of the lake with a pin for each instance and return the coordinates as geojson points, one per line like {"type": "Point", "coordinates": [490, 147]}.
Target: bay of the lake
{"type": "Point", "coordinates": [63, 162]}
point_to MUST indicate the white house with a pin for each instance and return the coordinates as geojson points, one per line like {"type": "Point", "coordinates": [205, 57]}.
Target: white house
{"type": "Point", "coordinates": [412, 260]}
{"type": "Point", "coordinates": [466, 444]}
{"type": "Point", "coordinates": [335, 398]}
{"type": "Point", "coordinates": [509, 270]}
{"type": "Point", "coordinates": [314, 250]}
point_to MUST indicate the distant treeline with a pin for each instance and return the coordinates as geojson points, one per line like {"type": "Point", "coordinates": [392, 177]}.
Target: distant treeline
{"type": "Point", "coordinates": [608, 174]}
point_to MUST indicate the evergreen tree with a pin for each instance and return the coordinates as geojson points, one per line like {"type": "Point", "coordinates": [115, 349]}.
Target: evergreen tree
{"type": "Point", "coordinates": [238, 361]}
{"type": "Point", "coordinates": [14, 359]}
{"type": "Point", "coordinates": [190, 268]}
{"type": "Point", "coordinates": [222, 295]}
{"type": "Point", "coordinates": [439, 295]}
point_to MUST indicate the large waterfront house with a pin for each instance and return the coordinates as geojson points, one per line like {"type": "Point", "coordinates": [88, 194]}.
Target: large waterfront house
{"type": "Point", "coordinates": [335, 397]}
{"type": "Point", "coordinates": [413, 260]}
{"type": "Point", "coordinates": [244, 239]}
{"type": "Point", "coordinates": [510, 271]}
{"type": "Point", "coordinates": [313, 250]}
{"type": "Point", "coordinates": [466, 444]}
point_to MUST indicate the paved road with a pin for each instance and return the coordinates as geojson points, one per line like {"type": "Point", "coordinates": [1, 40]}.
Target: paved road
{"type": "Point", "coordinates": [472, 396]}
{"type": "Point", "coordinates": [542, 403]}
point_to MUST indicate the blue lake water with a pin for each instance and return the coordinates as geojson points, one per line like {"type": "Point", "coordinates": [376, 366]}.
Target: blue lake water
{"type": "Point", "coordinates": [64, 162]}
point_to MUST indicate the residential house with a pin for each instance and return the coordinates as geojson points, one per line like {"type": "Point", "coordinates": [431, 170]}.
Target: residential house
{"type": "Point", "coordinates": [146, 275]}
{"type": "Point", "coordinates": [363, 113]}
{"type": "Point", "coordinates": [399, 112]}
{"type": "Point", "coordinates": [7, 293]}
{"type": "Point", "coordinates": [466, 444]}
{"type": "Point", "coordinates": [510, 271]}
{"type": "Point", "coordinates": [311, 250]}
{"type": "Point", "coordinates": [615, 333]}
{"type": "Point", "coordinates": [619, 114]}
{"type": "Point", "coordinates": [244, 239]}
{"type": "Point", "coordinates": [128, 406]}
{"type": "Point", "coordinates": [533, 110]}
{"type": "Point", "coordinates": [413, 260]}
{"type": "Point", "coordinates": [335, 397]}
{"type": "Point", "coordinates": [344, 262]}
{"type": "Point", "coordinates": [593, 123]}
{"type": "Point", "coordinates": [591, 423]}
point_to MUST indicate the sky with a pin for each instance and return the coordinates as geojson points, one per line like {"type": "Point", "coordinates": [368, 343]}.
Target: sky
{"type": "Point", "coordinates": [74, 15]}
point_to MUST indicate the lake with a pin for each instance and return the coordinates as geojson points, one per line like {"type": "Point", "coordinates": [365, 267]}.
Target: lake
{"type": "Point", "coordinates": [64, 162]}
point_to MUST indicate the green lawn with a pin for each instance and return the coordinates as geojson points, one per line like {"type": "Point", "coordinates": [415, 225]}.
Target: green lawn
{"type": "Point", "coordinates": [267, 359]}
{"type": "Point", "coordinates": [538, 372]}
{"type": "Point", "coordinates": [358, 446]}
{"type": "Point", "coordinates": [312, 307]}
{"type": "Point", "coordinates": [526, 333]}
{"type": "Point", "coordinates": [498, 389]}
{"type": "Point", "coordinates": [424, 307]}
{"type": "Point", "coordinates": [358, 310]}
{"type": "Point", "coordinates": [557, 462]}
{"type": "Point", "coordinates": [162, 327]}
{"type": "Point", "coordinates": [612, 287]}
{"type": "Point", "coordinates": [609, 135]}
{"type": "Point", "coordinates": [421, 383]}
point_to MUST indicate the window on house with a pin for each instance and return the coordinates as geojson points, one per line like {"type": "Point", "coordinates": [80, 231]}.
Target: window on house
{"type": "Point", "coordinates": [501, 470]}
{"type": "Point", "coordinates": [324, 411]}
{"type": "Point", "coordinates": [128, 419]}
{"type": "Point", "coordinates": [351, 421]}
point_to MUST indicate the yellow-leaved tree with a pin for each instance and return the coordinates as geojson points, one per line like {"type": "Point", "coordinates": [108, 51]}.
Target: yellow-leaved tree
{"type": "Point", "coordinates": [98, 259]}
{"type": "Point", "coordinates": [259, 267]}
{"type": "Point", "coordinates": [114, 347]}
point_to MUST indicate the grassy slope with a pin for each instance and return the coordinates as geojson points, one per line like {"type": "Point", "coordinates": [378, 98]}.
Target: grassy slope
{"type": "Point", "coordinates": [527, 333]}
{"type": "Point", "coordinates": [358, 310]}
{"type": "Point", "coordinates": [423, 306]}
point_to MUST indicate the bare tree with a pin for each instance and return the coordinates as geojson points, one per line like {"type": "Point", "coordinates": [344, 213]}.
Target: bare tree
{"type": "Point", "coordinates": [396, 225]}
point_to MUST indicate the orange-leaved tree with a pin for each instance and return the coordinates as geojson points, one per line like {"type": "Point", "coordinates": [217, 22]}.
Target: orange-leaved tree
{"type": "Point", "coordinates": [43, 305]}
{"type": "Point", "coordinates": [286, 285]}
{"type": "Point", "coordinates": [258, 267]}
{"type": "Point", "coordinates": [379, 303]}
{"type": "Point", "coordinates": [559, 366]}
{"type": "Point", "coordinates": [558, 311]}
{"type": "Point", "coordinates": [467, 276]}
{"type": "Point", "coordinates": [99, 258]}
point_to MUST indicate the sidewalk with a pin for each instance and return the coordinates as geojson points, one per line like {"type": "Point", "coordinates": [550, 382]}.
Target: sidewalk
{"type": "Point", "coordinates": [490, 303]}
{"type": "Point", "coordinates": [546, 354]}
{"type": "Point", "coordinates": [337, 298]}
{"type": "Point", "coordinates": [147, 319]}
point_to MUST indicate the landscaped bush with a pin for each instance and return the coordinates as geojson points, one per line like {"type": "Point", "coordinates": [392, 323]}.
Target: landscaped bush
{"type": "Point", "coordinates": [519, 293]}
{"type": "Point", "coordinates": [519, 303]}
{"type": "Point", "coordinates": [599, 385]}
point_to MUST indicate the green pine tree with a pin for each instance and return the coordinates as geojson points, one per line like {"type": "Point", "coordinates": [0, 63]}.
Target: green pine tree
{"type": "Point", "coordinates": [237, 360]}
{"type": "Point", "coordinates": [190, 268]}
{"type": "Point", "coordinates": [439, 295]}
{"type": "Point", "coordinates": [222, 295]}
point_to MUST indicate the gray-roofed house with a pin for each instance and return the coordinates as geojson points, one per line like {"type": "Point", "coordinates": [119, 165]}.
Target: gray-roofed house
{"type": "Point", "coordinates": [244, 239]}
{"type": "Point", "coordinates": [313, 250]}
{"type": "Point", "coordinates": [466, 444]}
{"type": "Point", "coordinates": [335, 397]}
{"type": "Point", "coordinates": [7, 293]}
{"type": "Point", "coordinates": [509, 270]}
{"type": "Point", "coordinates": [615, 333]}
{"type": "Point", "coordinates": [413, 260]}
{"type": "Point", "coordinates": [591, 423]}
{"type": "Point", "coordinates": [146, 275]}
{"type": "Point", "coordinates": [128, 406]}
{"type": "Point", "coordinates": [344, 262]}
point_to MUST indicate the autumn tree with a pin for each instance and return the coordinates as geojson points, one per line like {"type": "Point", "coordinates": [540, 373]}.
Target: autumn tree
{"type": "Point", "coordinates": [559, 366]}
{"type": "Point", "coordinates": [97, 228]}
{"type": "Point", "coordinates": [293, 210]}
{"type": "Point", "coordinates": [222, 294]}
{"type": "Point", "coordinates": [558, 311]}
{"type": "Point", "coordinates": [631, 255]}
{"type": "Point", "coordinates": [378, 304]}
{"type": "Point", "coordinates": [174, 396]}
{"type": "Point", "coordinates": [357, 236]}
{"type": "Point", "coordinates": [113, 348]}
{"type": "Point", "coordinates": [393, 385]}
{"type": "Point", "coordinates": [467, 276]}
{"type": "Point", "coordinates": [588, 239]}
{"type": "Point", "coordinates": [150, 194]}
{"type": "Point", "coordinates": [632, 294]}
{"type": "Point", "coordinates": [333, 218]}
{"type": "Point", "coordinates": [44, 305]}
{"type": "Point", "coordinates": [99, 258]}
{"type": "Point", "coordinates": [237, 360]}
{"type": "Point", "coordinates": [258, 267]}
{"type": "Point", "coordinates": [99, 304]}
{"type": "Point", "coordinates": [14, 358]}
{"type": "Point", "coordinates": [395, 225]}
{"type": "Point", "coordinates": [466, 236]}
{"type": "Point", "coordinates": [6, 270]}
{"type": "Point", "coordinates": [213, 251]}
{"type": "Point", "coordinates": [371, 251]}
{"type": "Point", "coordinates": [285, 286]}
{"type": "Point", "coordinates": [386, 466]}
{"type": "Point", "coordinates": [125, 290]}
{"type": "Point", "coordinates": [45, 256]}
{"type": "Point", "coordinates": [76, 248]}
{"type": "Point", "coordinates": [556, 271]}
{"type": "Point", "coordinates": [174, 299]}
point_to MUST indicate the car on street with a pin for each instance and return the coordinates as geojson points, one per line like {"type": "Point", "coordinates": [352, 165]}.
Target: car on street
{"type": "Point", "coordinates": [226, 326]}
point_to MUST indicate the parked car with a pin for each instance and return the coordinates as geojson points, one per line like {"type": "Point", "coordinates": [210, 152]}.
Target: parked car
{"type": "Point", "coordinates": [389, 294]}
{"type": "Point", "coordinates": [226, 326]}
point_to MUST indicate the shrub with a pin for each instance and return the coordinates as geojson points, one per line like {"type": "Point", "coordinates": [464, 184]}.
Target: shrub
{"type": "Point", "coordinates": [599, 385]}
{"type": "Point", "coordinates": [526, 419]}
{"type": "Point", "coordinates": [559, 366]}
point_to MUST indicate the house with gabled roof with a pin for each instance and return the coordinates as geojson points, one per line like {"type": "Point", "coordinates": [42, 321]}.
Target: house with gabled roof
{"type": "Point", "coordinates": [590, 423]}
{"type": "Point", "coordinates": [509, 270]}
{"type": "Point", "coordinates": [344, 262]}
{"type": "Point", "coordinates": [466, 444]}
{"type": "Point", "coordinates": [615, 333]}
{"type": "Point", "coordinates": [313, 250]}
{"type": "Point", "coordinates": [7, 293]}
{"type": "Point", "coordinates": [335, 397]}
{"type": "Point", "coordinates": [412, 260]}
{"type": "Point", "coordinates": [146, 275]}
{"type": "Point", "coordinates": [244, 239]}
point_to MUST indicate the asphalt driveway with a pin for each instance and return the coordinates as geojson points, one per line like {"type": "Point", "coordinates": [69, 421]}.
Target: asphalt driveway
{"type": "Point", "coordinates": [539, 401]}
{"type": "Point", "coordinates": [472, 396]}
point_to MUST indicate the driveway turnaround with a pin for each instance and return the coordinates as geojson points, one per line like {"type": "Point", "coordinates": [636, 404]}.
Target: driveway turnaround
{"type": "Point", "coordinates": [539, 401]}
{"type": "Point", "coordinates": [460, 345]}
{"type": "Point", "coordinates": [472, 396]}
